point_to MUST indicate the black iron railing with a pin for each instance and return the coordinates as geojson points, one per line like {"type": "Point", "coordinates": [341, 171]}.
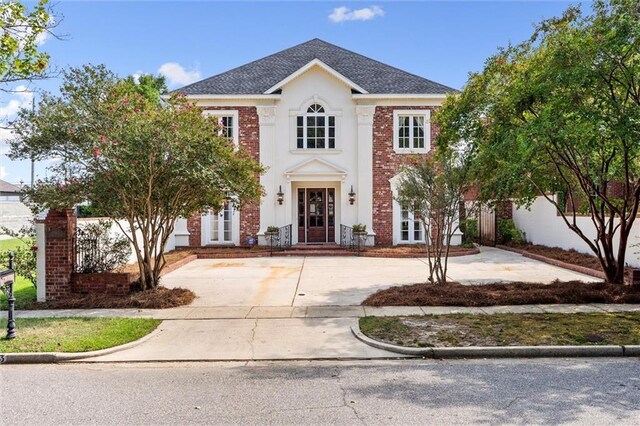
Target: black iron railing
{"type": "Point", "coordinates": [346, 236]}
{"type": "Point", "coordinates": [284, 237]}
{"type": "Point", "coordinates": [90, 256]}
{"type": "Point", "coordinates": [280, 240]}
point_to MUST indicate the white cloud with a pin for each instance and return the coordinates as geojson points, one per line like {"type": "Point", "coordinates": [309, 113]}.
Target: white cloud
{"type": "Point", "coordinates": [177, 75]}
{"type": "Point", "coordinates": [22, 99]}
{"type": "Point", "coordinates": [343, 14]}
{"type": "Point", "coordinates": [3, 172]}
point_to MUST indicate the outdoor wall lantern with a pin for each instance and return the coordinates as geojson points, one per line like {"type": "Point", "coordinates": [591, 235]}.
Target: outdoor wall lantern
{"type": "Point", "coordinates": [280, 195]}
{"type": "Point", "coordinates": [352, 196]}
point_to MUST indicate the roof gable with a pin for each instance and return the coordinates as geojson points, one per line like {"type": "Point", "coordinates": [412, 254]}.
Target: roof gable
{"type": "Point", "coordinates": [307, 67]}
{"type": "Point", "coordinates": [259, 76]}
{"type": "Point", "coordinates": [316, 167]}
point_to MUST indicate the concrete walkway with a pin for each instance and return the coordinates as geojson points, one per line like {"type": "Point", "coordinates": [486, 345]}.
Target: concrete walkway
{"type": "Point", "coordinates": [317, 312]}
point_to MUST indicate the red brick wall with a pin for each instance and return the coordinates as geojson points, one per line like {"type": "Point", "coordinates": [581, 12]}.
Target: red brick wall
{"type": "Point", "coordinates": [386, 164]}
{"type": "Point", "coordinates": [249, 139]}
{"type": "Point", "coordinates": [113, 283]}
{"type": "Point", "coordinates": [195, 230]}
{"type": "Point", "coordinates": [60, 229]}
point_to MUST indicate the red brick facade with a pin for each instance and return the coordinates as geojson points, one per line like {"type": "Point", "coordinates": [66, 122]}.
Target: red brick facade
{"type": "Point", "coordinates": [114, 283]}
{"type": "Point", "coordinates": [249, 139]}
{"type": "Point", "coordinates": [386, 164]}
{"type": "Point", "coordinates": [60, 230]}
{"type": "Point", "coordinates": [194, 226]}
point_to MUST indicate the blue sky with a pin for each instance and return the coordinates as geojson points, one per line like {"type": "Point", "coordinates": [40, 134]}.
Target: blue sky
{"type": "Point", "coordinates": [186, 41]}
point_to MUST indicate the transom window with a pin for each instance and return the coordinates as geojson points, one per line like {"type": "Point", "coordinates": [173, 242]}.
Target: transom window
{"type": "Point", "coordinates": [316, 129]}
{"type": "Point", "coordinates": [410, 227]}
{"type": "Point", "coordinates": [411, 131]}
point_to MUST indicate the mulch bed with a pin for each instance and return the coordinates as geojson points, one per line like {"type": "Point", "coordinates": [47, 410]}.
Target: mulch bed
{"type": "Point", "coordinates": [414, 251]}
{"type": "Point", "coordinates": [159, 298]}
{"type": "Point", "coordinates": [518, 293]}
{"type": "Point", "coordinates": [569, 256]}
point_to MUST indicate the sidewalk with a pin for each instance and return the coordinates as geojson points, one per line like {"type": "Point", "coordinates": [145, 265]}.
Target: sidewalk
{"type": "Point", "coordinates": [281, 312]}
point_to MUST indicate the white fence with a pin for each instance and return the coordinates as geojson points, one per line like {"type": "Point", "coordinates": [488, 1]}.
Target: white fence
{"type": "Point", "coordinates": [542, 225]}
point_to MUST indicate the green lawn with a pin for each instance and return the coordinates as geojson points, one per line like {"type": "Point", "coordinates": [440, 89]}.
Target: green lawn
{"type": "Point", "coordinates": [74, 334]}
{"type": "Point", "coordinates": [505, 329]}
{"type": "Point", "coordinates": [24, 291]}
{"type": "Point", "coordinates": [10, 244]}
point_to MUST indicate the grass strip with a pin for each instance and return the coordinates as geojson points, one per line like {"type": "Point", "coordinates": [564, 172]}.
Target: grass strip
{"type": "Point", "coordinates": [74, 334]}
{"type": "Point", "coordinates": [505, 329]}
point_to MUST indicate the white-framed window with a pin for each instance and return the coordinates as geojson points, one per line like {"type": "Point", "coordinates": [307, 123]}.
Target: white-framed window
{"type": "Point", "coordinates": [222, 225]}
{"type": "Point", "coordinates": [315, 129]}
{"type": "Point", "coordinates": [228, 123]}
{"type": "Point", "coordinates": [411, 131]}
{"type": "Point", "coordinates": [411, 230]}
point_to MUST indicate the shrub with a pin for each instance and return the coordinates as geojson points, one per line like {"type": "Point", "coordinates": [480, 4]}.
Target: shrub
{"type": "Point", "coordinates": [273, 229]}
{"type": "Point", "coordinates": [24, 262]}
{"type": "Point", "coordinates": [469, 229]}
{"type": "Point", "coordinates": [98, 250]}
{"type": "Point", "coordinates": [508, 232]}
{"type": "Point", "coordinates": [359, 228]}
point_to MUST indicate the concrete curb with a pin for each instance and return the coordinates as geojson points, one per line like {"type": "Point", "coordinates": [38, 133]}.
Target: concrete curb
{"type": "Point", "coordinates": [554, 262]}
{"type": "Point", "coordinates": [57, 357]}
{"type": "Point", "coordinates": [503, 351]}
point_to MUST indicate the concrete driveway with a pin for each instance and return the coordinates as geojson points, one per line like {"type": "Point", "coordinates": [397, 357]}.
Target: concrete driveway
{"type": "Point", "coordinates": [342, 281]}
{"type": "Point", "coordinates": [301, 308]}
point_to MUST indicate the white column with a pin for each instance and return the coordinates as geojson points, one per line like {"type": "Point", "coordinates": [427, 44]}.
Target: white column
{"type": "Point", "coordinates": [363, 187]}
{"type": "Point", "coordinates": [268, 206]}
{"type": "Point", "coordinates": [41, 290]}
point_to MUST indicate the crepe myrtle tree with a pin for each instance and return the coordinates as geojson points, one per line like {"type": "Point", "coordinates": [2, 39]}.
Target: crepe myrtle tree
{"type": "Point", "coordinates": [432, 190]}
{"type": "Point", "coordinates": [560, 113]}
{"type": "Point", "coordinates": [134, 157]}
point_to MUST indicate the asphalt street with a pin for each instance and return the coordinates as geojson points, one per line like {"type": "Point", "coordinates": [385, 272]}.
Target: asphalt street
{"type": "Point", "coordinates": [398, 392]}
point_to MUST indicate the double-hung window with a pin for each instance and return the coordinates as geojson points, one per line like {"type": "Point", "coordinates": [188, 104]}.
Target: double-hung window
{"type": "Point", "coordinates": [411, 131]}
{"type": "Point", "coordinates": [227, 121]}
{"type": "Point", "coordinates": [316, 129]}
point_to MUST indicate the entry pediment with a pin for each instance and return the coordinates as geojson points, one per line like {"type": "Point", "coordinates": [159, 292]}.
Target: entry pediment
{"type": "Point", "coordinates": [315, 168]}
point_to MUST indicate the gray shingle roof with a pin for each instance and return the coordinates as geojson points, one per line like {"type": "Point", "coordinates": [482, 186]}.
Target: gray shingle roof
{"type": "Point", "coordinates": [7, 187]}
{"type": "Point", "coordinates": [259, 76]}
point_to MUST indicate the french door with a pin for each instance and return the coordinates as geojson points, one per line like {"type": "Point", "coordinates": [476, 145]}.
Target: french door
{"type": "Point", "coordinates": [316, 215]}
{"type": "Point", "coordinates": [221, 225]}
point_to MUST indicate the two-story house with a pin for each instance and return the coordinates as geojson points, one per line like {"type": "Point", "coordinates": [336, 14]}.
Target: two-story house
{"type": "Point", "coordinates": [333, 128]}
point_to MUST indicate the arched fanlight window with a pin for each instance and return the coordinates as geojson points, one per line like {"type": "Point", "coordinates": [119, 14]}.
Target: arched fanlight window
{"type": "Point", "coordinates": [315, 108]}
{"type": "Point", "coordinates": [316, 129]}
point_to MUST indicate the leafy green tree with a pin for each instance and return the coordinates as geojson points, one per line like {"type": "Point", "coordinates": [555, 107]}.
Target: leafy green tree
{"type": "Point", "coordinates": [560, 113]}
{"type": "Point", "coordinates": [22, 31]}
{"type": "Point", "coordinates": [133, 158]}
{"type": "Point", "coordinates": [24, 261]}
{"type": "Point", "coordinates": [432, 190]}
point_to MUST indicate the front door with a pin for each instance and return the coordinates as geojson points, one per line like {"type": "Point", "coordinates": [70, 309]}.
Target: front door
{"type": "Point", "coordinates": [316, 213]}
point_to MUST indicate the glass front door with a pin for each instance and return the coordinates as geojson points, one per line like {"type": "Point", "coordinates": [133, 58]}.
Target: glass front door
{"type": "Point", "coordinates": [316, 215]}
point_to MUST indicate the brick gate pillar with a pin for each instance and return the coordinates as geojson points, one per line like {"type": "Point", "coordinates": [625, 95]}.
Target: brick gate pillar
{"type": "Point", "coordinates": [60, 230]}
{"type": "Point", "coordinates": [194, 227]}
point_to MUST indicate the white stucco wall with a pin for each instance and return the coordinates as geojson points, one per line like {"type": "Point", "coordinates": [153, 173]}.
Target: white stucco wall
{"type": "Point", "coordinates": [542, 225]}
{"type": "Point", "coordinates": [116, 231]}
{"type": "Point", "coordinates": [348, 165]}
